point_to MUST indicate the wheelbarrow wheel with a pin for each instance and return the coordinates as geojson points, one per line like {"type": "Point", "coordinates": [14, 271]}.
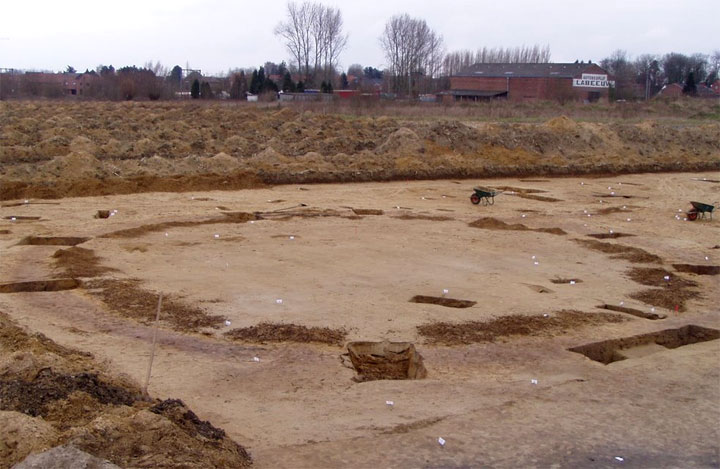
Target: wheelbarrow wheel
{"type": "Point", "coordinates": [475, 199]}
{"type": "Point", "coordinates": [692, 215]}
{"type": "Point", "coordinates": [491, 200]}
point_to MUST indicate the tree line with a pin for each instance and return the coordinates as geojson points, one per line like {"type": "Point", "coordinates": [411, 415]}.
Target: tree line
{"type": "Point", "coordinates": [415, 57]}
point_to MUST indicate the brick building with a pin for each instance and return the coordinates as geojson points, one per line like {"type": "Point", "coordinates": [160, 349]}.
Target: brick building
{"type": "Point", "coordinates": [530, 82]}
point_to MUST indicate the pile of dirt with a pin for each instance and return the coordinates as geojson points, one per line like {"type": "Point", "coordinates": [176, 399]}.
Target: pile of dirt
{"type": "Point", "coordinates": [127, 298]}
{"type": "Point", "coordinates": [52, 396]}
{"type": "Point", "coordinates": [489, 223]}
{"type": "Point", "coordinates": [93, 148]}
{"type": "Point", "coordinates": [471, 332]}
{"type": "Point", "coordinates": [657, 277]}
{"type": "Point", "coordinates": [619, 251]}
{"type": "Point", "coordinates": [269, 332]}
{"type": "Point", "coordinates": [79, 262]}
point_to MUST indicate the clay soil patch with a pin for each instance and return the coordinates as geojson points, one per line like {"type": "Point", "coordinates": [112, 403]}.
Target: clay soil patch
{"type": "Point", "coordinates": [609, 351]}
{"type": "Point", "coordinates": [79, 262]}
{"type": "Point", "coordinates": [619, 251]}
{"type": "Point", "coordinates": [442, 301]}
{"type": "Point", "coordinates": [52, 241]}
{"type": "Point", "coordinates": [269, 332]}
{"type": "Point", "coordinates": [126, 298]}
{"type": "Point", "coordinates": [514, 325]}
{"type": "Point", "coordinates": [386, 360]}
{"type": "Point", "coordinates": [489, 223]}
{"type": "Point", "coordinates": [698, 269]}
{"type": "Point", "coordinates": [34, 286]}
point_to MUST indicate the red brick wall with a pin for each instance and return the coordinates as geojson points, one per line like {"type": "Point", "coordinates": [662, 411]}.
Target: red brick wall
{"type": "Point", "coordinates": [527, 89]}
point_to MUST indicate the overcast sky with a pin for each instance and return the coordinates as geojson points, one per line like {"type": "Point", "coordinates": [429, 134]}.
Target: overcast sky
{"type": "Point", "coordinates": [216, 35]}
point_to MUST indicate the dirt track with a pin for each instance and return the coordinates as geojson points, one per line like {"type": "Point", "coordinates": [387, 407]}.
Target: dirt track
{"type": "Point", "coordinates": [297, 406]}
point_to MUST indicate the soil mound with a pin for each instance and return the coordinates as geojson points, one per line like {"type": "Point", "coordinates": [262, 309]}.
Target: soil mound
{"type": "Point", "coordinates": [402, 141]}
{"type": "Point", "coordinates": [489, 223]}
{"type": "Point", "coordinates": [51, 395]}
{"type": "Point", "coordinates": [79, 262]}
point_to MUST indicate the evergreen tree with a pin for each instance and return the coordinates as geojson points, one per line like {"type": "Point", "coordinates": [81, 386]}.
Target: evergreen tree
{"type": "Point", "coordinates": [288, 85]}
{"type": "Point", "coordinates": [175, 75]}
{"type": "Point", "coordinates": [329, 87]}
{"type": "Point", "coordinates": [300, 88]}
{"type": "Point", "coordinates": [323, 87]}
{"type": "Point", "coordinates": [344, 81]}
{"type": "Point", "coordinates": [254, 85]}
{"type": "Point", "coordinates": [206, 91]}
{"type": "Point", "coordinates": [690, 88]}
{"type": "Point", "coordinates": [195, 89]}
{"type": "Point", "coordinates": [268, 86]}
{"type": "Point", "coordinates": [238, 89]}
{"type": "Point", "coordinates": [261, 77]}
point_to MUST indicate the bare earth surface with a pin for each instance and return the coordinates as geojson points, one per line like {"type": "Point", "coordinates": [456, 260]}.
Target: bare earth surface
{"type": "Point", "coordinates": [301, 255]}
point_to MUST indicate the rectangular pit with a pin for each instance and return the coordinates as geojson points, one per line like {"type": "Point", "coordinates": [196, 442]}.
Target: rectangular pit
{"type": "Point", "coordinates": [634, 312]}
{"type": "Point", "coordinates": [386, 360]}
{"type": "Point", "coordinates": [442, 301]}
{"type": "Point", "coordinates": [40, 285]}
{"type": "Point", "coordinates": [609, 351]}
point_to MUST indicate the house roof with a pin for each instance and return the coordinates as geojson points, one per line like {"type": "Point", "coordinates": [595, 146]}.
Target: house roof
{"type": "Point", "coordinates": [546, 70]}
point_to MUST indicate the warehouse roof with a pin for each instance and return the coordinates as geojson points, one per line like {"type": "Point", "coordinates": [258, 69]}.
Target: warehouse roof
{"type": "Point", "coordinates": [550, 70]}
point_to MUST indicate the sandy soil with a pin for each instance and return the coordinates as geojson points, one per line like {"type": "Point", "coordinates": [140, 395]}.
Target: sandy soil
{"type": "Point", "coordinates": [504, 401]}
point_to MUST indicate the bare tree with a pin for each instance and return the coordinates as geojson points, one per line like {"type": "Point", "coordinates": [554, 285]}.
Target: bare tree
{"type": "Point", "coordinates": [412, 50]}
{"type": "Point", "coordinates": [313, 36]}
{"type": "Point", "coordinates": [454, 62]}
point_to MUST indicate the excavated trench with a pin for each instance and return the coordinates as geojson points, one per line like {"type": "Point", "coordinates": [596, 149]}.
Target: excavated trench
{"type": "Point", "coordinates": [386, 360]}
{"type": "Point", "coordinates": [609, 235]}
{"type": "Point", "coordinates": [40, 285]}
{"type": "Point", "coordinates": [52, 241]}
{"type": "Point", "coordinates": [610, 351]}
{"type": "Point", "coordinates": [438, 300]}
{"type": "Point", "coordinates": [634, 312]}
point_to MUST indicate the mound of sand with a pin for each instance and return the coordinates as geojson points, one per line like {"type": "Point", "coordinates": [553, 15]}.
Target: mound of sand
{"type": "Point", "coordinates": [403, 141]}
{"type": "Point", "coordinates": [561, 124]}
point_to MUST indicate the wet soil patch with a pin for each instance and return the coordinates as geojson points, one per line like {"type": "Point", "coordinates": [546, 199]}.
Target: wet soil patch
{"type": "Point", "coordinates": [32, 397]}
{"type": "Point", "coordinates": [489, 223]}
{"type": "Point", "coordinates": [409, 216]}
{"type": "Point", "coordinates": [656, 277]}
{"type": "Point", "coordinates": [127, 298]}
{"type": "Point", "coordinates": [5, 232]}
{"type": "Point", "coordinates": [442, 301]}
{"type": "Point", "coordinates": [619, 251]}
{"type": "Point", "coordinates": [367, 211]}
{"type": "Point", "coordinates": [386, 360]}
{"type": "Point", "coordinates": [698, 269]}
{"type": "Point", "coordinates": [612, 235]}
{"type": "Point", "coordinates": [471, 332]}
{"type": "Point", "coordinates": [562, 280]}
{"type": "Point", "coordinates": [609, 351]}
{"type": "Point", "coordinates": [79, 262]}
{"type": "Point", "coordinates": [620, 196]}
{"type": "Point", "coordinates": [177, 412]}
{"type": "Point", "coordinates": [35, 286]}
{"type": "Point", "coordinates": [269, 332]}
{"type": "Point", "coordinates": [228, 217]}
{"type": "Point", "coordinates": [534, 180]}
{"type": "Point", "coordinates": [52, 241]}
{"type": "Point", "coordinates": [633, 311]}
